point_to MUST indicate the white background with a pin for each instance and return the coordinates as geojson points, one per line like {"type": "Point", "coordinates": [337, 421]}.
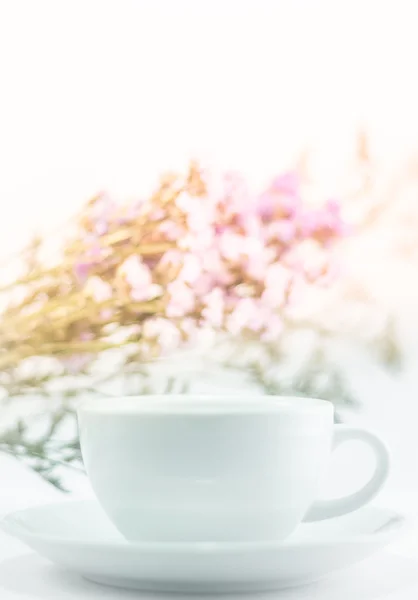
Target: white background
{"type": "Point", "coordinates": [99, 93]}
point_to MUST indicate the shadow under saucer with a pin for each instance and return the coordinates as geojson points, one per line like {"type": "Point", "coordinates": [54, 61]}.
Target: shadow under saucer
{"type": "Point", "coordinates": [32, 577]}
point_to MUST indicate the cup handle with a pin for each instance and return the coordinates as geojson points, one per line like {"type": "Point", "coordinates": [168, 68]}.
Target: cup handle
{"type": "Point", "coordinates": [326, 509]}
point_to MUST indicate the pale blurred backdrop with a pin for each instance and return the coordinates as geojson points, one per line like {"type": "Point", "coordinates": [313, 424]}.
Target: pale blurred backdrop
{"type": "Point", "coordinates": [99, 94]}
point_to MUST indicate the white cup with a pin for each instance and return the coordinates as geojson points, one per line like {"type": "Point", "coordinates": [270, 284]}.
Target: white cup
{"type": "Point", "coordinates": [223, 468]}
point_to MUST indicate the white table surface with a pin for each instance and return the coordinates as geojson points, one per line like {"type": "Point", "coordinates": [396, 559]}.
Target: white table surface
{"type": "Point", "coordinates": [390, 575]}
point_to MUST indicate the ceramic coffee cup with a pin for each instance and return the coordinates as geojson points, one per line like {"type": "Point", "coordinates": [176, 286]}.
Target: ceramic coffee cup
{"type": "Point", "coordinates": [224, 468]}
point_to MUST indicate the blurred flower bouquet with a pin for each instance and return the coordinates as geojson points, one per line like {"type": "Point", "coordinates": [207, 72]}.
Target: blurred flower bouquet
{"type": "Point", "coordinates": [201, 258]}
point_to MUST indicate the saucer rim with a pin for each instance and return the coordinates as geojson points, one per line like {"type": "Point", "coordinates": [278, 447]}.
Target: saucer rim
{"type": "Point", "coordinates": [198, 405]}
{"type": "Point", "coordinates": [10, 525]}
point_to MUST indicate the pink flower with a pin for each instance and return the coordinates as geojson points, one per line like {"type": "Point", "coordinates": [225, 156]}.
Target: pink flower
{"type": "Point", "coordinates": [234, 185]}
{"type": "Point", "coordinates": [258, 258]}
{"type": "Point", "coordinates": [214, 307]}
{"type": "Point", "coordinates": [199, 211]}
{"type": "Point", "coordinates": [101, 213]}
{"type": "Point", "coordinates": [103, 206]}
{"type": "Point", "coordinates": [82, 270]}
{"type": "Point", "coordinates": [276, 283]}
{"type": "Point", "coordinates": [98, 289]}
{"type": "Point", "coordinates": [91, 257]}
{"type": "Point", "coordinates": [106, 314]}
{"type": "Point", "coordinates": [204, 284]}
{"type": "Point", "coordinates": [138, 276]}
{"type": "Point", "coordinates": [235, 198]}
{"type": "Point", "coordinates": [324, 223]}
{"type": "Point", "coordinates": [164, 331]}
{"type": "Point", "coordinates": [273, 328]}
{"type": "Point", "coordinates": [251, 224]}
{"type": "Point", "coordinates": [329, 274]}
{"type": "Point", "coordinates": [133, 210]}
{"type": "Point", "coordinates": [76, 363]}
{"type": "Point", "coordinates": [171, 230]}
{"type": "Point", "coordinates": [237, 261]}
{"type": "Point", "coordinates": [232, 245]}
{"type": "Point", "coordinates": [155, 213]}
{"type": "Point", "coordinates": [136, 273]}
{"type": "Point", "coordinates": [86, 336]}
{"type": "Point", "coordinates": [287, 183]}
{"type": "Point", "coordinates": [171, 257]}
{"type": "Point", "coordinates": [339, 227]}
{"type": "Point", "coordinates": [333, 206]}
{"type": "Point", "coordinates": [246, 315]}
{"type": "Point", "coordinates": [182, 299]}
{"type": "Point", "coordinates": [281, 198]}
{"type": "Point", "coordinates": [94, 250]}
{"type": "Point", "coordinates": [319, 269]}
{"type": "Point", "coordinates": [314, 264]}
{"type": "Point", "coordinates": [192, 269]}
{"type": "Point", "coordinates": [197, 242]}
{"type": "Point", "coordinates": [212, 261]}
{"type": "Point", "coordinates": [283, 230]}
{"type": "Point", "coordinates": [154, 291]}
{"type": "Point", "coordinates": [307, 223]}
{"type": "Point", "coordinates": [186, 202]}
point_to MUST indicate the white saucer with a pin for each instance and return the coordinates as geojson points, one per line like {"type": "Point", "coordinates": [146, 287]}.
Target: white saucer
{"type": "Point", "coordinates": [79, 536]}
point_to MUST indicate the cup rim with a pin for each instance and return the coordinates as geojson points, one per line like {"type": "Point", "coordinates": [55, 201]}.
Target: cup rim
{"type": "Point", "coordinates": [198, 404]}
